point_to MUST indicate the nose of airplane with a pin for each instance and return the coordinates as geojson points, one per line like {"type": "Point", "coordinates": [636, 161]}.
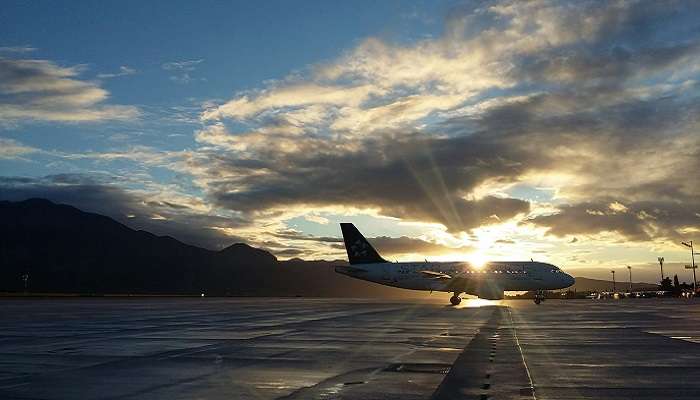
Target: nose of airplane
{"type": "Point", "coordinates": [569, 280]}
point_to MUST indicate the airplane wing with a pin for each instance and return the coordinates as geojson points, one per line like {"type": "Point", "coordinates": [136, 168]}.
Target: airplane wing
{"type": "Point", "coordinates": [435, 275]}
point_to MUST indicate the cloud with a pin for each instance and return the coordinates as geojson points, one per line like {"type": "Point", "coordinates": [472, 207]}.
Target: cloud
{"type": "Point", "coordinates": [188, 65]}
{"type": "Point", "coordinates": [406, 245]}
{"type": "Point", "coordinates": [385, 245]}
{"type": "Point", "coordinates": [316, 219]}
{"type": "Point", "coordinates": [437, 130]}
{"type": "Point", "coordinates": [181, 70]}
{"type": "Point", "coordinates": [594, 104]}
{"type": "Point", "coordinates": [639, 221]}
{"type": "Point", "coordinates": [143, 155]}
{"type": "Point", "coordinates": [293, 96]}
{"type": "Point", "coordinates": [17, 49]}
{"type": "Point", "coordinates": [11, 149]}
{"type": "Point", "coordinates": [123, 71]}
{"type": "Point", "coordinates": [418, 179]}
{"type": "Point", "coordinates": [43, 91]}
{"type": "Point", "coordinates": [289, 253]}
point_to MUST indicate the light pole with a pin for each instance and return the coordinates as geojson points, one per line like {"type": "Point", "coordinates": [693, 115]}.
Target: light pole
{"type": "Point", "coordinates": [661, 263]}
{"type": "Point", "coordinates": [692, 262]}
{"type": "Point", "coordinates": [630, 269]}
{"type": "Point", "coordinates": [613, 272]}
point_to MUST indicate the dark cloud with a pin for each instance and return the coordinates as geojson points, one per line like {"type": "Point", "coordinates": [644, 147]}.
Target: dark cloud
{"type": "Point", "coordinates": [93, 194]}
{"type": "Point", "coordinates": [42, 90]}
{"type": "Point", "coordinates": [295, 235]}
{"type": "Point", "coordinates": [604, 70]}
{"type": "Point", "coordinates": [636, 152]}
{"type": "Point", "coordinates": [385, 245]}
{"type": "Point", "coordinates": [406, 245]}
{"type": "Point", "coordinates": [418, 179]}
{"type": "Point", "coordinates": [640, 221]}
{"type": "Point", "coordinates": [621, 138]}
{"type": "Point", "coordinates": [167, 204]}
{"type": "Point", "coordinates": [630, 40]}
{"type": "Point", "coordinates": [589, 218]}
{"type": "Point", "coordinates": [288, 252]}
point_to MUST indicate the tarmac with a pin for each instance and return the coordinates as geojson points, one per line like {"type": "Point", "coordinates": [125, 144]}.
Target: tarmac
{"type": "Point", "coordinates": [268, 348]}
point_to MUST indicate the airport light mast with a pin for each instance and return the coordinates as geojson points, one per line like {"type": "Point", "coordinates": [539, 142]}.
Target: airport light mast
{"type": "Point", "coordinates": [692, 263]}
{"type": "Point", "coordinates": [661, 263]}
{"type": "Point", "coordinates": [613, 273]}
{"type": "Point", "coordinates": [630, 269]}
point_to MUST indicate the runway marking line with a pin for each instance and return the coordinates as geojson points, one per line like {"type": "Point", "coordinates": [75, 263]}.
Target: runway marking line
{"type": "Point", "coordinates": [523, 392]}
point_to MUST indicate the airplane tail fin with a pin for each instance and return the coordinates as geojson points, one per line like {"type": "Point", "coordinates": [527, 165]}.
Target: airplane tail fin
{"type": "Point", "coordinates": [358, 248]}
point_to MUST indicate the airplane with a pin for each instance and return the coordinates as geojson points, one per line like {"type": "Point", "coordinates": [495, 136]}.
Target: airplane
{"type": "Point", "coordinates": [487, 282]}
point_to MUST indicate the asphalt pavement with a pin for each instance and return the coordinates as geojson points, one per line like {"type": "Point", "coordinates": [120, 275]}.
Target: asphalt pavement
{"type": "Point", "coordinates": [295, 348]}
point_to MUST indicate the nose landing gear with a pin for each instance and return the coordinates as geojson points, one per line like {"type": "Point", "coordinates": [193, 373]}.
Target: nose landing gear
{"type": "Point", "coordinates": [455, 300]}
{"type": "Point", "coordinates": [539, 297]}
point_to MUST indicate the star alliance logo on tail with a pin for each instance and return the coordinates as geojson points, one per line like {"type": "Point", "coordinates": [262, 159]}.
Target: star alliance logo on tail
{"type": "Point", "coordinates": [359, 248]}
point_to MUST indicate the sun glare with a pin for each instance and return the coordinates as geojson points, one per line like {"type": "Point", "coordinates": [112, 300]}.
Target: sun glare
{"type": "Point", "coordinates": [477, 302]}
{"type": "Point", "coordinates": [477, 260]}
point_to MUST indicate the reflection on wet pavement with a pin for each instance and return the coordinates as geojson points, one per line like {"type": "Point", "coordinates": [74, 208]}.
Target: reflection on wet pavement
{"type": "Point", "coordinates": [351, 349]}
{"type": "Point", "coordinates": [611, 349]}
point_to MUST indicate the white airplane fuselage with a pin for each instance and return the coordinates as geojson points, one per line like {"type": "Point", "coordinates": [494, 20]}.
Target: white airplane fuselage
{"type": "Point", "coordinates": [487, 281]}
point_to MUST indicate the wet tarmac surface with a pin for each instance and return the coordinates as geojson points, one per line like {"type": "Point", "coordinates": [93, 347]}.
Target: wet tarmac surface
{"type": "Point", "coordinates": [155, 348]}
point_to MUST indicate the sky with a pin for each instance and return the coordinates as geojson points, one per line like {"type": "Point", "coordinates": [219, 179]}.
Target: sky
{"type": "Point", "coordinates": [565, 132]}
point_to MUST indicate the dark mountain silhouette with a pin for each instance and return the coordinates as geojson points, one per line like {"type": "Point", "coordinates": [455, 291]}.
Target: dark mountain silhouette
{"type": "Point", "coordinates": [588, 284]}
{"type": "Point", "coordinates": [64, 249]}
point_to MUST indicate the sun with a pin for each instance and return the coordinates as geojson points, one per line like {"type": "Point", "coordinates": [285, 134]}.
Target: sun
{"type": "Point", "coordinates": [477, 260]}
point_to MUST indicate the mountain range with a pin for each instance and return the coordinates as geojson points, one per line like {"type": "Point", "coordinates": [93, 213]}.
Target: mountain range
{"type": "Point", "coordinates": [588, 284]}
{"type": "Point", "coordinates": [62, 249]}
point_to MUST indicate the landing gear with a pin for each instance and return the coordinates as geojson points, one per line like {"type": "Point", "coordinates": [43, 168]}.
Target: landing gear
{"type": "Point", "coordinates": [539, 297]}
{"type": "Point", "coordinates": [455, 300]}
